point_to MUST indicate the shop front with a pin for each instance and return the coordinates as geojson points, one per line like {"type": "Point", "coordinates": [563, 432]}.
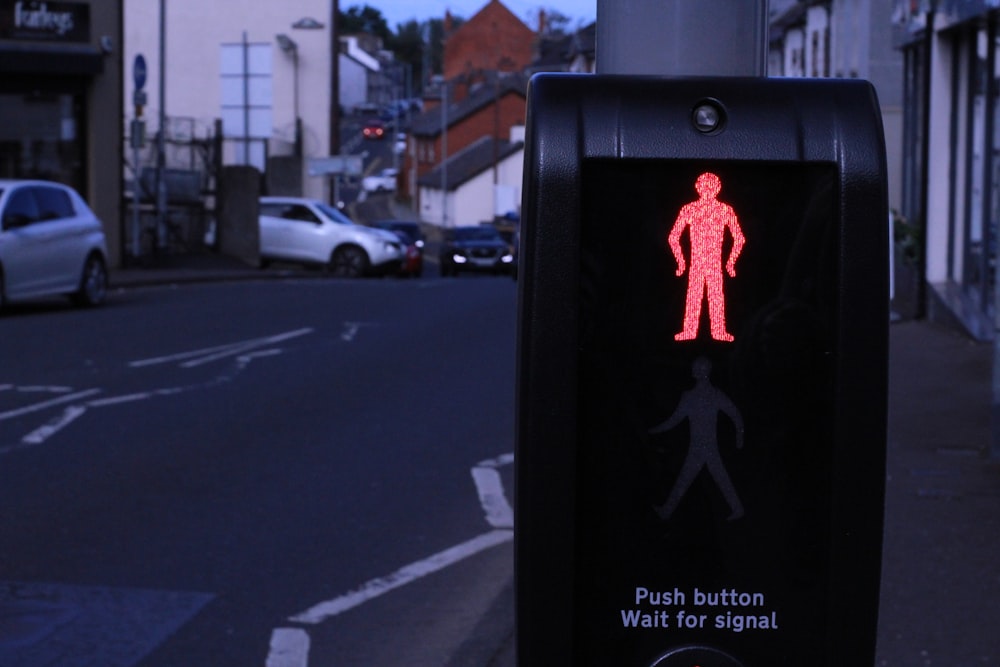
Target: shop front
{"type": "Point", "coordinates": [61, 99]}
{"type": "Point", "coordinates": [952, 163]}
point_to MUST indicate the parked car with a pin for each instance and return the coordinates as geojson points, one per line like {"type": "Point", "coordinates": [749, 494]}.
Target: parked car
{"type": "Point", "coordinates": [413, 237]}
{"type": "Point", "coordinates": [400, 146]}
{"type": "Point", "coordinates": [383, 181]}
{"type": "Point", "coordinates": [51, 243]}
{"type": "Point", "coordinates": [373, 129]}
{"type": "Point", "coordinates": [474, 248]}
{"type": "Point", "coordinates": [413, 262]}
{"type": "Point", "coordinates": [308, 231]}
{"type": "Point", "coordinates": [408, 227]}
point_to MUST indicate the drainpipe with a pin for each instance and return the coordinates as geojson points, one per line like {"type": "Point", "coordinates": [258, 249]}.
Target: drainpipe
{"type": "Point", "coordinates": [925, 152]}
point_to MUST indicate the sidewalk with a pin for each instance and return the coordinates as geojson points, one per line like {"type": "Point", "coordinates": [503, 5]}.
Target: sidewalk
{"type": "Point", "coordinates": [197, 267]}
{"type": "Point", "coordinates": [941, 572]}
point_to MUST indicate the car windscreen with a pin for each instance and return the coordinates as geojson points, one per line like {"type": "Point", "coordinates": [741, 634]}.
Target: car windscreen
{"type": "Point", "coordinates": [334, 215]}
{"type": "Point", "coordinates": [476, 234]}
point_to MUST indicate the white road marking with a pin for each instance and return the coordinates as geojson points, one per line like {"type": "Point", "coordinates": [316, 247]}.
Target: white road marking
{"type": "Point", "coordinates": [401, 577]}
{"type": "Point", "coordinates": [289, 648]}
{"type": "Point", "coordinates": [43, 433]}
{"type": "Point", "coordinates": [499, 513]}
{"type": "Point", "coordinates": [44, 405]}
{"type": "Point", "coordinates": [489, 488]}
{"type": "Point", "coordinates": [244, 352]}
{"type": "Point", "coordinates": [351, 330]}
{"type": "Point", "coordinates": [42, 389]}
{"type": "Point", "coordinates": [209, 354]}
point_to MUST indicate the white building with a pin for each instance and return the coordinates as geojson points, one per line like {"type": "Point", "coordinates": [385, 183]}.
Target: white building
{"type": "Point", "coordinates": [224, 60]}
{"type": "Point", "coordinates": [475, 191]}
{"type": "Point", "coordinates": [845, 39]}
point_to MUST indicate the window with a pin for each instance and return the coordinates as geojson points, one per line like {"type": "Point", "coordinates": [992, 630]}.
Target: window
{"type": "Point", "coordinates": [53, 203]}
{"type": "Point", "coordinates": [21, 209]}
{"type": "Point", "coordinates": [299, 212]}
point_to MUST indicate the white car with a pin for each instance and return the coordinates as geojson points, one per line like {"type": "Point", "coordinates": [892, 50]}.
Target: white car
{"type": "Point", "coordinates": [308, 231]}
{"type": "Point", "coordinates": [383, 181]}
{"type": "Point", "coordinates": [51, 243]}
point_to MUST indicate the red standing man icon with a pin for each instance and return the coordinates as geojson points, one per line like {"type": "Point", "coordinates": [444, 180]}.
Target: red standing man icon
{"type": "Point", "coordinates": [706, 221]}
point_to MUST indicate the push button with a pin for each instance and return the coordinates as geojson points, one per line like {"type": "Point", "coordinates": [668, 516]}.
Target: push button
{"type": "Point", "coordinates": [696, 656]}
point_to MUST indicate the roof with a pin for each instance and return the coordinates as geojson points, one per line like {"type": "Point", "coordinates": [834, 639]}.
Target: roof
{"type": "Point", "coordinates": [428, 123]}
{"type": "Point", "coordinates": [469, 162]}
{"type": "Point", "coordinates": [556, 52]}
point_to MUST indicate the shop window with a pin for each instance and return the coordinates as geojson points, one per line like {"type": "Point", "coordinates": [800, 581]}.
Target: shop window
{"type": "Point", "coordinates": [39, 137]}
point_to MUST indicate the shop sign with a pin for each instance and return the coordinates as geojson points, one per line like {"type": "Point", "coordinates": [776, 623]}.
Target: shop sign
{"type": "Point", "coordinates": [45, 21]}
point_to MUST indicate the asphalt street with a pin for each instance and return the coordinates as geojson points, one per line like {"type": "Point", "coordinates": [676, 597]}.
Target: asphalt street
{"type": "Point", "coordinates": [940, 580]}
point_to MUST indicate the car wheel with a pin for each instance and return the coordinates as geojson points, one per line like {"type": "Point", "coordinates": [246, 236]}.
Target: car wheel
{"type": "Point", "coordinates": [93, 283]}
{"type": "Point", "coordinates": [349, 262]}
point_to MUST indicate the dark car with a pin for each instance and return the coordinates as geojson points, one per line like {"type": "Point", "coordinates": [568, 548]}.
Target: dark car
{"type": "Point", "coordinates": [479, 248]}
{"type": "Point", "coordinates": [373, 129]}
{"type": "Point", "coordinates": [411, 229]}
{"type": "Point", "coordinates": [412, 237]}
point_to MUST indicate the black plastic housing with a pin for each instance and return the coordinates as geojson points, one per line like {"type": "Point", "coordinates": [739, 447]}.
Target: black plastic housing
{"type": "Point", "coordinates": [609, 162]}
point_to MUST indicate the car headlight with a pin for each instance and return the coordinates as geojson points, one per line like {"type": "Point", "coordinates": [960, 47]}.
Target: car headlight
{"type": "Point", "coordinates": [459, 259]}
{"type": "Point", "coordinates": [507, 259]}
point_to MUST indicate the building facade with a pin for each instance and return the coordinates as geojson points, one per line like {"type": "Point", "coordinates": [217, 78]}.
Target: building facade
{"type": "Point", "coordinates": [845, 39]}
{"type": "Point", "coordinates": [61, 100]}
{"type": "Point", "coordinates": [262, 68]}
{"type": "Point", "coordinates": [951, 182]}
{"type": "Point", "coordinates": [493, 39]}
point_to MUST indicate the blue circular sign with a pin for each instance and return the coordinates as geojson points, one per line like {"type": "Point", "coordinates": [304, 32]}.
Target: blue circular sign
{"type": "Point", "coordinates": [139, 71]}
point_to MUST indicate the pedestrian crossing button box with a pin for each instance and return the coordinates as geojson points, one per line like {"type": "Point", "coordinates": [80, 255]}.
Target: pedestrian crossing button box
{"type": "Point", "coordinates": [701, 392]}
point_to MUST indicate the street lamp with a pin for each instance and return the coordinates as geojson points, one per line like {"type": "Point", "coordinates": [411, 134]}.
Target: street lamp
{"type": "Point", "coordinates": [289, 46]}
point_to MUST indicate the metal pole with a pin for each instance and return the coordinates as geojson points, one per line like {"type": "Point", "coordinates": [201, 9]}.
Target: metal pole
{"type": "Point", "coordinates": [136, 193]}
{"type": "Point", "coordinates": [335, 94]}
{"type": "Point", "coordinates": [161, 159]}
{"type": "Point", "coordinates": [246, 99]}
{"type": "Point", "coordinates": [444, 153]}
{"type": "Point", "coordinates": [681, 37]}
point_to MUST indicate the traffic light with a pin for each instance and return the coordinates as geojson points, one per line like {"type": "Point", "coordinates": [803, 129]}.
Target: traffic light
{"type": "Point", "coordinates": [703, 316]}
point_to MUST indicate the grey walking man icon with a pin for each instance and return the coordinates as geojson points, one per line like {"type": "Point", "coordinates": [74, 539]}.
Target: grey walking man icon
{"type": "Point", "coordinates": [701, 406]}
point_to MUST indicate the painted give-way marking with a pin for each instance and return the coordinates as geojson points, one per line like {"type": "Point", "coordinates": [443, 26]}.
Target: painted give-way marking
{"type": "Point", "coordinates": [206, 355]}
{"type": "Point", "coordinates": [289, 647]}
{"type": "Point", "coordinates": [77, 403]}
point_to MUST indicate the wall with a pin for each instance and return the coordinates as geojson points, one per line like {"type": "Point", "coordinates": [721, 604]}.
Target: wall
{"type": "Point", "coordinates": [474, 199]}
{"type": "Point", "coordinates": [104, 139]}
{"type": "Point", "coordinates": [195, 31]}
{"type": "Point", "coordinates": [493, 35]}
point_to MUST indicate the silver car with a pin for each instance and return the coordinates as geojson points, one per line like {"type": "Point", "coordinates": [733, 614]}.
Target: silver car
{"type": "Point", "coordinates": [51, 243]}
{"type": "Point", "coordinates": [307, 231]}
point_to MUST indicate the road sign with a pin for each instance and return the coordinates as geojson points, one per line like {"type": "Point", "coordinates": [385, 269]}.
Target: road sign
{"type": "Point", "coordinates": [348, 165]}
{"type": "Point", "coordinates": [139, 71]}
{"type": "Point", "coordinates": [702, 372]}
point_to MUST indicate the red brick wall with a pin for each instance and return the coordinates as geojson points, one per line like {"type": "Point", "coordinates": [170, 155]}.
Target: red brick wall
{"type": "Point", "coordinates": [471, 129]}
{"type": "Point", "coordinates": [492, 39]}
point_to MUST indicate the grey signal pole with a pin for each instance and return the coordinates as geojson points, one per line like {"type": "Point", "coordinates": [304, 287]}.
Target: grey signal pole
{"type": "Point", "coordinates": [682, 37]}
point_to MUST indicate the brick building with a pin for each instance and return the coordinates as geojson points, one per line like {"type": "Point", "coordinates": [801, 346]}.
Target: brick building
{"type": "Point", "coordinates": [490, 111]}
{"type": "Point", "coordinates": [484, 85]}
{"type": "Point", "coordinates": [493, 39]}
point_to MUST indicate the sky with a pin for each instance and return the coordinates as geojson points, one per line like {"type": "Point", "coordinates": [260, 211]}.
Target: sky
{"type": "Point", "coordinates": [400, 11]}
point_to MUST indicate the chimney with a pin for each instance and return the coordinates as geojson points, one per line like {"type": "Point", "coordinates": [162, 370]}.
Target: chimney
{"type": "Point", "coordinates": [541, 21]}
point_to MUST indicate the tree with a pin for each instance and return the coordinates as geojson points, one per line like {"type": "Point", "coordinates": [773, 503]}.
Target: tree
{"type": "Point", "coordinates": [556, 23]}
{"type": "Point", "coordinates": [363, 19]}
{"type": "Point", "coordinates": [420, 44]}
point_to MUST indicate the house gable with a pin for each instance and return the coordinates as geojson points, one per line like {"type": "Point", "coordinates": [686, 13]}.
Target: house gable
{"type": "Point", "coordinates": [493, 39]}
